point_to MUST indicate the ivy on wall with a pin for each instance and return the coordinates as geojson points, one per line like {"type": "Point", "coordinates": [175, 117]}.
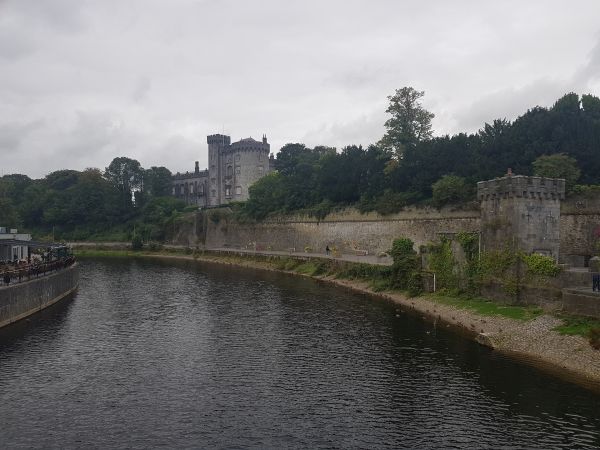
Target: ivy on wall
{"type": "Point", "coordinates": [507, 267]}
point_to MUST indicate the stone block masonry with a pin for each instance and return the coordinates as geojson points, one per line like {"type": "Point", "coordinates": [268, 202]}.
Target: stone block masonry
{"type": "Point", "coordinates": [24, 299]}
{"type": "Point", "coordinates": [522, 212]}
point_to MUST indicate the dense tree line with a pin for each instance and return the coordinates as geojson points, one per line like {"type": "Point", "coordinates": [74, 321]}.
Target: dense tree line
{"type": "Point", "coordinates": [410, 166]}
{"type": "Point", "coordinates": [85, 204]}
{"type": "Point", "coordinates": [407, 166]}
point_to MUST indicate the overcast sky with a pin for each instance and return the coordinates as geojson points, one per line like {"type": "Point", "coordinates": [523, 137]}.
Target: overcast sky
{"type": "Point", "coordinates": [82, 82]}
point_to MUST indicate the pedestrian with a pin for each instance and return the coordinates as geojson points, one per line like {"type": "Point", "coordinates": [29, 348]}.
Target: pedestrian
{"type": "Point", "coordinates": [6, 278]}
{"type": "Point", "coordinates": [327, 251]}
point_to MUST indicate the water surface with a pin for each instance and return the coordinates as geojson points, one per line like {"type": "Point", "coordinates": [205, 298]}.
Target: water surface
{"type": "Point", "coordinates": [181, 354]}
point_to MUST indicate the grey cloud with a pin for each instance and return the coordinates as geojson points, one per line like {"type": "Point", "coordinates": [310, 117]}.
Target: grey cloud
{"type": "Point", "coordinates": [151, 79]}
{"type": "Point", "coordinates": [141, 89]}
{"type": "Point", "coordinates": [12, 134]}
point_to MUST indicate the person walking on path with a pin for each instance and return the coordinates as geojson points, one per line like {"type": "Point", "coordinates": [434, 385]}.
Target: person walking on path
{"type": "Point", "coordinates": [327, 251]}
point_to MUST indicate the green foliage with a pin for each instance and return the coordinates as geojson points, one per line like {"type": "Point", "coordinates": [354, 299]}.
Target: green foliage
{"type": "Point", "coordinates": [388, 203]}
{"type": "Point", "coordinates": [581, 326]}
{"type": "Point", "coordinates": [451, 189]}
{"type": "Point", "coordinates": [406, 265]}
{"type": "Point", "coordinates": [157, 181]}
{"type": "Point", "coordinates": [541, 265]}
{"type": "Point", "coordinates": [488, 308]}
{"type": "Point", "coordinates": [469, 241]}
{"type": "Point", "coordinates": [441, 261]}
{"type": "Point", "coordinates": [558, 165]}
{"type": "Point", "coordinates": [410, 122]}
{"type": "Point", "coordinates": [136, 243]}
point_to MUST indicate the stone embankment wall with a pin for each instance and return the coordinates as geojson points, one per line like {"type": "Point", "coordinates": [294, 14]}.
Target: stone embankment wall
{"type": "Point", "coordinates": [21, 300]}
{"type": "Point", "coordinates": [352, 232]}
{"type": "Point", "coordinates": [349, 232]}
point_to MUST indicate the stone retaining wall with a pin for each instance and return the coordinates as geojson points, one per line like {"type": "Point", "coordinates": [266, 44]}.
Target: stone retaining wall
{"type": "Point", "coordinates": [21, 300]}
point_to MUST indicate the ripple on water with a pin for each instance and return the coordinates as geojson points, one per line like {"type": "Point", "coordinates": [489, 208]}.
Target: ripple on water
{"type": "Point", "coordinates": [183, 355]}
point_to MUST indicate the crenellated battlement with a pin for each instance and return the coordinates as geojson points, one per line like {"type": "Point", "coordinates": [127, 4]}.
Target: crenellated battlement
{"type": "Point", "coordinates": [218, 139]}
{"type": "Point", "coordinates": [521, 186]}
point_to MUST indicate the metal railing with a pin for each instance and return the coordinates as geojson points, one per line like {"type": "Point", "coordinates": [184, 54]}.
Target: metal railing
{"type": "Point", "coordinates": [20, 273]}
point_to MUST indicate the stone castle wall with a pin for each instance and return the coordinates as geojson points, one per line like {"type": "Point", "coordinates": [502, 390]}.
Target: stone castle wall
{"type": "Point", "coordinates": [349, 231]}
{"type": "Point", "coordinates": [353, 232]}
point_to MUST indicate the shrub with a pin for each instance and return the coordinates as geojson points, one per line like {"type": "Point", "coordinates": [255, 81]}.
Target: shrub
{"type": "Point", "coordinates": [451, 189]}
{"type": "Point", "coordinates": [136, 243]}
{"type": "Point", "coordinates": [405, 264]}
{"type": "Point", "coordinates": [541, 265]}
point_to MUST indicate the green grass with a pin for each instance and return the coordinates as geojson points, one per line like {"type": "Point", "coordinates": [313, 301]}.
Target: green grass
{"type": "Point", "coordinates": [573, 325]}
{"type": "Point", "coordinates": [489, 308]}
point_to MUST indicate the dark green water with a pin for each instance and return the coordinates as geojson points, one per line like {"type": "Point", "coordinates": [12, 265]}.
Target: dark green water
{"type": "Point", "coordinates": [179, 355]}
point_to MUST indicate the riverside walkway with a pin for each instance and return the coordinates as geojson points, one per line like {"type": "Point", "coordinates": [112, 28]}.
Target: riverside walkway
{"type": "Point", "coordinates": [367, 259]}
{"type": "Point", "coordinates": [357, 258]}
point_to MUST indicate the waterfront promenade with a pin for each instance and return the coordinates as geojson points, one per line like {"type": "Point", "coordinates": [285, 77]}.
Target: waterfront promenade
{"type": "Point", "coordinates": [357, 258]}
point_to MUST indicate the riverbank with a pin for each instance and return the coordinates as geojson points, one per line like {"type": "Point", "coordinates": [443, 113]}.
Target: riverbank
{"type": "Point", "coordinates": [523, 333]}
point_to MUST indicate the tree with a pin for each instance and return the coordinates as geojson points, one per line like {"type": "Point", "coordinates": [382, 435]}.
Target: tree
{"type": "Point", "coordinates": [450, 189]}
{"type": "Point", "coordinates": [157, 181]}
{"type": "Point", "coordinates": [126, 175]}
{"type": "Point", "coordinates": [558, 165]}
{"type": "Point", "coordinates": [410, 122]}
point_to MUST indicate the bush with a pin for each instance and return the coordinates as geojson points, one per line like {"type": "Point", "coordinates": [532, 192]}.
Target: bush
{"type": "Point", "coordinates": [406, 262]}
{"type": "Point", "coordinates": [451, 189]}
{"type": "Point", "coordinates": [541, 265]}
{"type": "Point", "coordinates": [136, 243]}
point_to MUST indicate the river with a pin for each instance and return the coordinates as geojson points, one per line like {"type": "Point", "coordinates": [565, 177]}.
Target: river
{"type": "Point", "coordinates": [180, 354]}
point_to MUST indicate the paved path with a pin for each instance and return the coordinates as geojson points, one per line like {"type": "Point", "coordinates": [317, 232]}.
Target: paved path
{"type": "Point", "coordinates": [368, 259]}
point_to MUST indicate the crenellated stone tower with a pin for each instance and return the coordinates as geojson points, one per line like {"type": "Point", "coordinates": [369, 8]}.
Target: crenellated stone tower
{"type": "Point", "coordinates": [521, 212]}
{"type": "Point", "coordinates": [232, 169]}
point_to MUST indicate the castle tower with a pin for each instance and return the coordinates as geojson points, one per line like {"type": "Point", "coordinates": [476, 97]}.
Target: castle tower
{"type": "Point", "coordinates": [521, 212]}
{"type": "Point", "coordinates": [217, 143]}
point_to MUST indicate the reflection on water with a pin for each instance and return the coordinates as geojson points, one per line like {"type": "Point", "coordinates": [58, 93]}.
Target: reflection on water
{"type": "Point", "coordinates": [180, 354]}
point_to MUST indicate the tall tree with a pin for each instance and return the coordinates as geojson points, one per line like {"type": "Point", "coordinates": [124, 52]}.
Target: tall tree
{"type": "Point", "coordinates": [157, 181]}
{"type": "Point", "coordinates": [126, 175]}
{"type": "Point", "coordinates": [410, 122]}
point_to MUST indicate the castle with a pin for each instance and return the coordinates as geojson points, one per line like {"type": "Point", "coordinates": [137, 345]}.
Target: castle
{"type": "Point", "coordinates": [232, 169]}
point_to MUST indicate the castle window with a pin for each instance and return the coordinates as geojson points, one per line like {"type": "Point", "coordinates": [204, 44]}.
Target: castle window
{"type": "Point", "coordinates": [213, 181]}
{"type": "Point", "coordinates": [260, 170]}
{"type": "Point", "coordinates": [227, 192]}
{"type": "Point", "coordinates": [229, 171]}
{"type": "Point", "coordinates": [237, 157]}
{"type": "Point", "coordinates": [260, 156]}
{"type": "Point", "coordinates": [238, 190]}
{"type": "Point", "coordinates": [213, 193]}
{"type": "Point", "coordinates": [238, 170]}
